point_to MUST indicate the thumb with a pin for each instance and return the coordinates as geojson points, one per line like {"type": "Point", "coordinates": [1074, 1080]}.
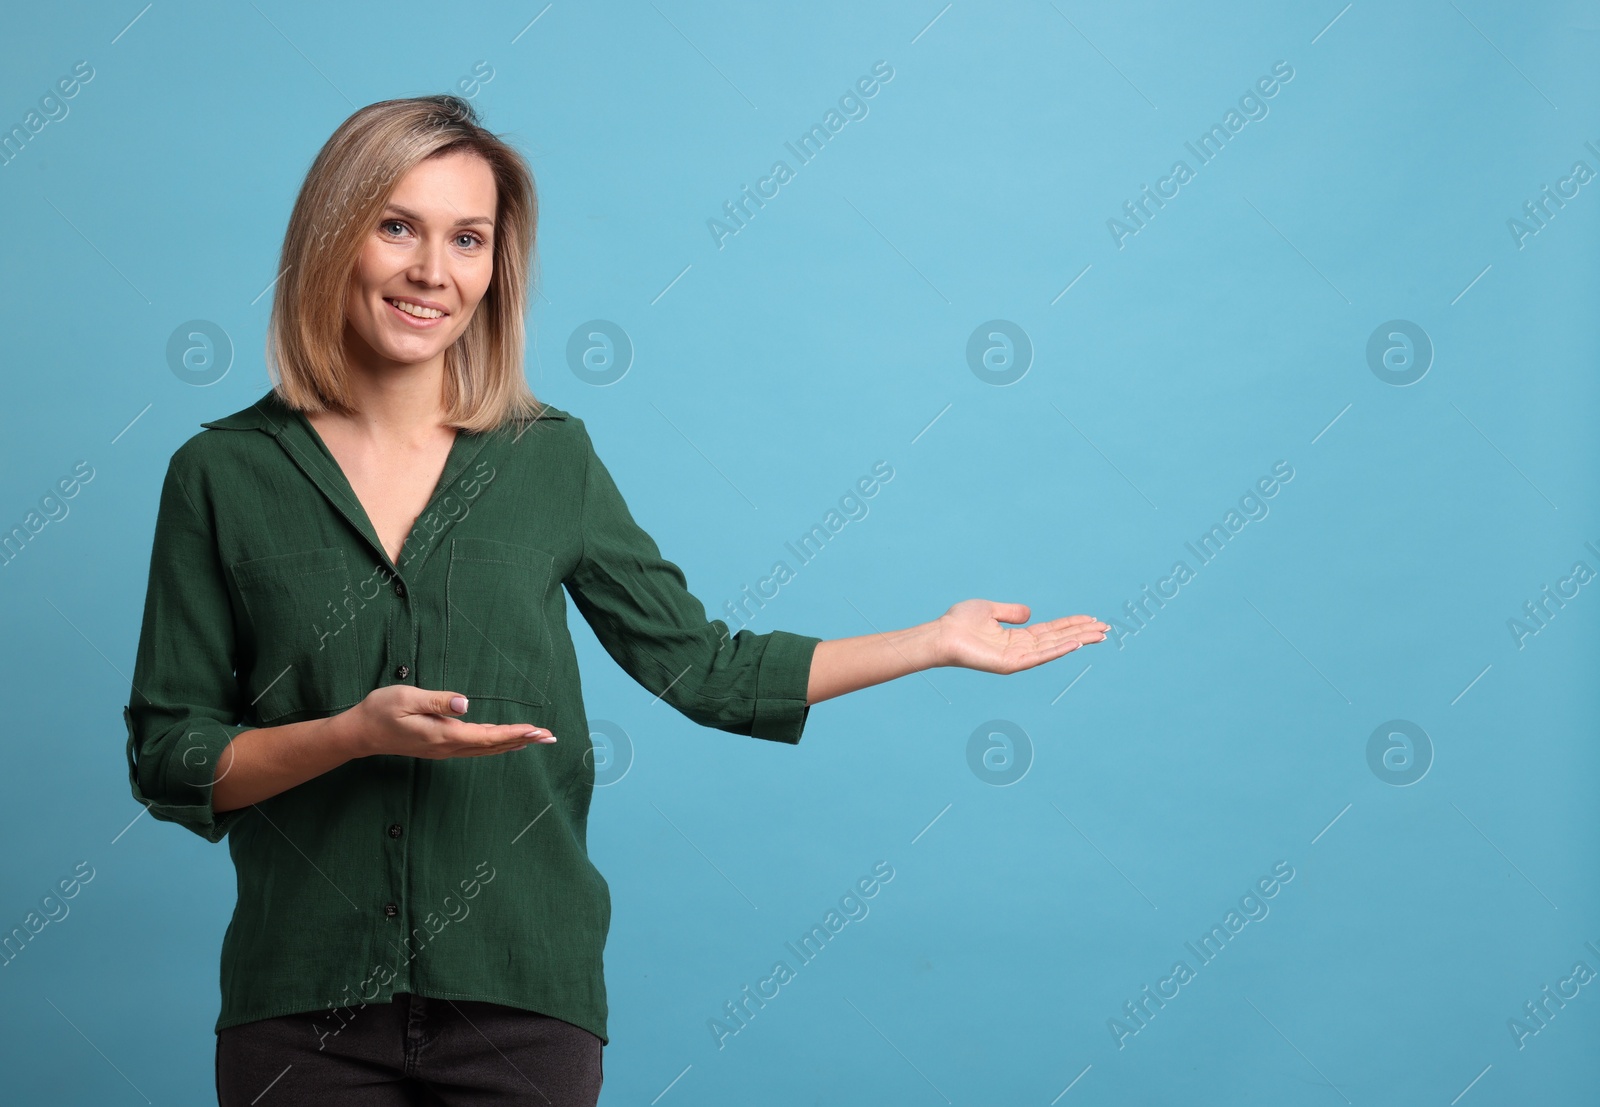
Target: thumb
{"type": "Point", "coordinates": [1011, 612]}
{"type": "Point", "coordinates": [447, 703]}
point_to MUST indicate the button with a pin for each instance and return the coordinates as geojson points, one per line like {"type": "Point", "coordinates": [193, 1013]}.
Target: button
{"type": "Point", "coordinates": [394, 830]}
{"type": "Point", "coordinates": [402, 671]}
{"type": "Point", "coordinates": [399, 589]}
{"type": "Point", "coordinates": [390, 910]}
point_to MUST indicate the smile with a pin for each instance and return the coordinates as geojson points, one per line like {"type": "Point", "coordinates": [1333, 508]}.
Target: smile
{"type": "Point", "coordinates": [415, 314]}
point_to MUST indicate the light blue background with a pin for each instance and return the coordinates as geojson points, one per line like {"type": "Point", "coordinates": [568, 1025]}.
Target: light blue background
{"type": "Point", "coordinates": [1229, 734]}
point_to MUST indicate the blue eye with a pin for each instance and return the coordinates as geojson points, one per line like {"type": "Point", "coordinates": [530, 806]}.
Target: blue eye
{"type": "Point", "coordinates": [473, 238]}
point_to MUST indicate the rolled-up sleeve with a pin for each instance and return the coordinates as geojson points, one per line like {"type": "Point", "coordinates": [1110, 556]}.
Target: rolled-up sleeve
{"type": "Point", "coordinates": [185, 705]}
{"type": "Point", "coordinates": [640, 608]}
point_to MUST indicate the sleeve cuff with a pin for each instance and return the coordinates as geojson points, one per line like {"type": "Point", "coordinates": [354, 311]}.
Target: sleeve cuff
{"type": "Point", "coordinates": [176, 787]}
{"type": "Point", "coordinates": [782, 680]}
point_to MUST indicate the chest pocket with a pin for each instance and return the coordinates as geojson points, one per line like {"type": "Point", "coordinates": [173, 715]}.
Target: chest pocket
{"type": "Point", "coordinates": [307, 659]}
{"type": "Point", "coordinates": [497, 640]}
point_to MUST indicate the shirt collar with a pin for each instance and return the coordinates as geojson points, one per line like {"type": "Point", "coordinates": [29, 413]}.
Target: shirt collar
{"type": "Point", "coordinates": [304, 446]}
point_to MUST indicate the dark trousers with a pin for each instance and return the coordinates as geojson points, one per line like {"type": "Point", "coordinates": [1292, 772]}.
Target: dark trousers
{"type": "Point", "coordinates": [412, 1051]}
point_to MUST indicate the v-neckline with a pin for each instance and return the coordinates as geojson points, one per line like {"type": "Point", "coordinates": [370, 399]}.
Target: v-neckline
{"type": "Point", "coordinates": [463, 449]}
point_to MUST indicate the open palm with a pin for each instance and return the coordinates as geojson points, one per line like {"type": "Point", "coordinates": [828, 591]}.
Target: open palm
{"type": "Point", "coordinates": [972, 636]}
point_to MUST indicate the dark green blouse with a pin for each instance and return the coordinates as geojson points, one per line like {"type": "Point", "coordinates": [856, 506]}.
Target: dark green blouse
{"type": "Point", "coordinates": [271, 600]}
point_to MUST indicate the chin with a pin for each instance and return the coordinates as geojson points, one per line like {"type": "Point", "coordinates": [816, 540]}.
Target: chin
{"type": "Point", "coordinates": [411, 355]}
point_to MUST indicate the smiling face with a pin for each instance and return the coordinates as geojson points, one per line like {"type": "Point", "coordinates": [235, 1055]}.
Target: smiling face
{"type": "Point", "coordinates": [432, 253]}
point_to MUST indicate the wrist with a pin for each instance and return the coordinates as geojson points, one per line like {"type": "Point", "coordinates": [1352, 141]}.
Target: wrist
{"type": "Point", "coordinates": [927, 645]}
{"type": "Point", "coordinates": [343, 733]}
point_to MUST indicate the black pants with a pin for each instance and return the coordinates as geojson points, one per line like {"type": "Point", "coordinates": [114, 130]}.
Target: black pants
{"type": "Point", "coordinates": [411, 1051]}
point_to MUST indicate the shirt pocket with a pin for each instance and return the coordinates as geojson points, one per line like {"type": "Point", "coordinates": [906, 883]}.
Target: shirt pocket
{"type": "Point", "coordinates": [497, 639]}
{"type": "Point", "coordinates": [307, 659]}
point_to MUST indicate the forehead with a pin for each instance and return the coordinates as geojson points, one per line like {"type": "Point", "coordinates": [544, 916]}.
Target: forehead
{"type": "Point", "coordinates": [448, 187]}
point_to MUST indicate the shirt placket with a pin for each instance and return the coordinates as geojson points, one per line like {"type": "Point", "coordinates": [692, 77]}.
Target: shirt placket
{"type": "Point", "coordinates": [471, 458]}
{"type": "Point", "coordinates": [400, 638]}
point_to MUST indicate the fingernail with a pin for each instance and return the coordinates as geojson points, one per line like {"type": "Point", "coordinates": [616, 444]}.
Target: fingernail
{"type": "Point", "coordinates": [458, 704]}
{"type": "Point", "coordinates": [552, 738]}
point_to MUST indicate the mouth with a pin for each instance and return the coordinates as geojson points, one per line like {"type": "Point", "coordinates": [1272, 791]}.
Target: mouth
{"type": "Point", "coordinates": [415, 314]}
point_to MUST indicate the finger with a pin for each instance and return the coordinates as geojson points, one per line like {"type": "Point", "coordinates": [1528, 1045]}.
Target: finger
{"type": "Point", "coordinates": [1049, 652]}
{"type": "Point", "coordinates": [506, 745]}
{"type": "Point", "coordinates": [453, 727]}
{"type": "Point", "coordinates": [526, 732]}
{"type": "Point", "coordinates": [493, 751]}
{"type": "Point", "coordinates": [521, 740]}
{"type": "Point", "coordinates": [1051, 646]}
{"type": "Point", "coordinates": [1049, 633]}
{"type": "Point", "coordinates": [494, 735]}
{"type": "Point", "coordinates": [503, 746]}
{"type": "Point", "coordinates": [1072, 621]}
{"type": "Point", "coordinates": [503, 731]}
{"type": "Point", "coordinates": [439, 703]}
{"type": "Point", "coordinates": [1010, 612]}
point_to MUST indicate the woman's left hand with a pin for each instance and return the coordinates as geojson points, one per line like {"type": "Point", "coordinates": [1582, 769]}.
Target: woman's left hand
{"type": "Point", "coordinates": [971, 636]}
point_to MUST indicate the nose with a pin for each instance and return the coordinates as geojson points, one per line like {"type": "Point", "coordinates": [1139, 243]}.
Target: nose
{"type": "Point", "coordinates": [428, 268]}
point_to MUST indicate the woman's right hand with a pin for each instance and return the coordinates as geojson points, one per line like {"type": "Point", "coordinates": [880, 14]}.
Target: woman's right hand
{"type": "Point", "coordinates": [415, 722]}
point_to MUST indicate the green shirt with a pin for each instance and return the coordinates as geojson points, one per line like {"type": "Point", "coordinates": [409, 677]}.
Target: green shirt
{"type": "Point", "coordinates": [271, 600]}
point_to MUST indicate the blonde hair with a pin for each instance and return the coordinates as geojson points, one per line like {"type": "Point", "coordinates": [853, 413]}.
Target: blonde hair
{"type": "Point", "coordinates": [340, 200]}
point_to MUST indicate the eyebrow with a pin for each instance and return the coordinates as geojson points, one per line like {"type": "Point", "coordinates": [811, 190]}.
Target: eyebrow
{"type": "Point", "coordinates": [466, 222]}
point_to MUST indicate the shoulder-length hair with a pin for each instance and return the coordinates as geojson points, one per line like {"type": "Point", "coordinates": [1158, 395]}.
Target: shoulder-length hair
{"type": "Point", "coordinates": [340, 201]}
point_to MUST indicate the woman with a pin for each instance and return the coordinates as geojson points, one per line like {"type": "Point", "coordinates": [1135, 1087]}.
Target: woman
{"type": "Point", "coordinates": [355, 665]}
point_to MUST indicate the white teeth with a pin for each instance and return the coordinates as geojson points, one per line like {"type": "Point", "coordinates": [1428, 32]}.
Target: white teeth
{"type": "Point", "coordinates": [419, 312]}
